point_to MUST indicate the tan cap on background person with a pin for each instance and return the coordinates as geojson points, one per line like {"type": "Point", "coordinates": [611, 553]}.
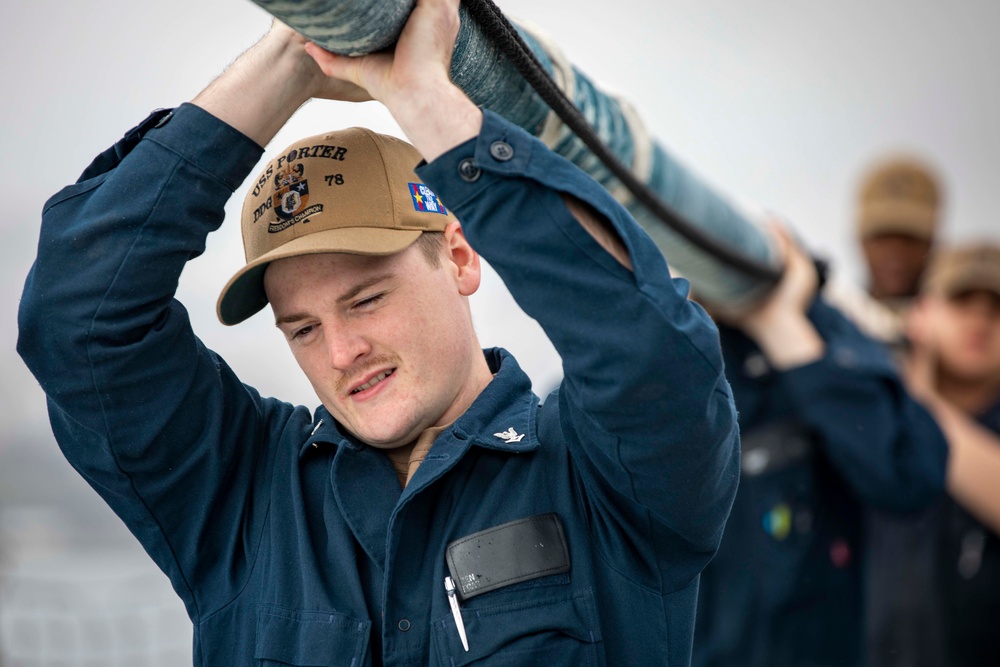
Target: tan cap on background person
{"type": "Point", "coordinates": [963, 269]}
{"type": "Point", "coordinates": [351, 191]}
{"type": "Point", "coordinates": [899, 196]}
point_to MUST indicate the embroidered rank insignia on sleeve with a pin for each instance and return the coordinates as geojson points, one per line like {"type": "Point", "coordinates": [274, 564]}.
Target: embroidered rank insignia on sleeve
{"type": "Point", "coordinates": [425, 200]}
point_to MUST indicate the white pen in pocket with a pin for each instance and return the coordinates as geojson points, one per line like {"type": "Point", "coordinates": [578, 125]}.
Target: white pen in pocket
{"type": "Point", "coordinates": [449, 587]}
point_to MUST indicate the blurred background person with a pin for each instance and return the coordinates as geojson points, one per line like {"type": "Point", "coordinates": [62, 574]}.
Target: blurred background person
{"type": "Point", "coordinates": [898, 216]}
{"type": "Point", "coordinates": [897, 222]}
{"type": "Point", "coordinates": [827, 429]}
{"type": "Point", "coordinates": [937, 601]}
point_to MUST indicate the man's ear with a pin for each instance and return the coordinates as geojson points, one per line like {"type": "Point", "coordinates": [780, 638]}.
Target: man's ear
{"type": "Point", "coordinates": [462, 259]}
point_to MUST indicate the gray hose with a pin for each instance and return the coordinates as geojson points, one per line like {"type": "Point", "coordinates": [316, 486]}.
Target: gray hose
{"type": "Point", "coordinates": [354, 27]}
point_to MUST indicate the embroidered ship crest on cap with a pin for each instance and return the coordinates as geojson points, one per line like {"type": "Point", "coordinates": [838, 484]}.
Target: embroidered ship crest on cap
{"type": "Point", "coordinates": [290, 198]}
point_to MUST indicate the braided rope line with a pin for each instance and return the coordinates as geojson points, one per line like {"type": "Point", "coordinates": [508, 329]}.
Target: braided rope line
{"type": "Point", "coordinates": [508, 40]}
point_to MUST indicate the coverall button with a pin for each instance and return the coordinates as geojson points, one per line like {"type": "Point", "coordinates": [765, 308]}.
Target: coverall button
{"type": "Point", "coordinates": [403, 625]}
{"type": "Point", "coordinates": [501, 151]}
{"type": "Point", "coordinates": [469, 170]}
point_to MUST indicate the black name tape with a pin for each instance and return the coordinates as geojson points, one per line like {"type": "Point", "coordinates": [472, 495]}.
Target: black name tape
{"type": "Point", "coordinates": [517, 551]}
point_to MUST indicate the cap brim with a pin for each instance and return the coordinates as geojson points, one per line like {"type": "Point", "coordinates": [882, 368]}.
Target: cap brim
{"type": "Point", "coordinates": [957, 282]}
{"type": "Point", "coordinates": [897, 218]}
{"type": "Point", "coordinates": [974, 285]}
{"type": "Point", "coordinates": [244, 294]}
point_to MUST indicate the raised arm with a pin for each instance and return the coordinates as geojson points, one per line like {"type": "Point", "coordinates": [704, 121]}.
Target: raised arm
{"type": "Point", "coordinates": [644, 397]}
{"type": "Point", "coordinates": [843, 386]}
{"type": "Point", "coordinates": [158, 424]}
{"type": "Point", "coordinates": [974, 450]}
{"type": "Point", "coordinates": [973, 463]}
{"type": "Point", "coordinates": [268, 83]}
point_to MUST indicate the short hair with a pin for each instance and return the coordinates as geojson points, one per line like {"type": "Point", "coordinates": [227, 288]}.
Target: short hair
{"type": "Point", "coordinates": [430, 244]}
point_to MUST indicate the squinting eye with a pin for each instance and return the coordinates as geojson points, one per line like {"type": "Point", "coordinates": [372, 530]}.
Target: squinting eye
{"type": "Point", "coordinates": [298, 333]}
{"type": "Point", "coordinates": [370, 301]}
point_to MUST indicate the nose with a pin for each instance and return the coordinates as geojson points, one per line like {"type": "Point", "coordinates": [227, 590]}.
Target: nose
{"type": "Point", "coordinates": [345, 347]}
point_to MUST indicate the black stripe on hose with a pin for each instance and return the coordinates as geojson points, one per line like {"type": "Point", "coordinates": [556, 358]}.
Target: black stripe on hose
{"type": "Point", "coordinates": [497, 28]}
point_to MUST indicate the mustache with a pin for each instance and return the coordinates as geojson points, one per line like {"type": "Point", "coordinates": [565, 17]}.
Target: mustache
{"type": "Point", "coordinates": [358, 373]}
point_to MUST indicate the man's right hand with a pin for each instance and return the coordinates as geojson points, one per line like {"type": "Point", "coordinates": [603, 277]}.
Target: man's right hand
{"type": "Point", "coordinates": [413, 80]}
{"type": "Point", "coordinates": [779, 324]}
{"type": "Point", "coordinates": [261, 90]}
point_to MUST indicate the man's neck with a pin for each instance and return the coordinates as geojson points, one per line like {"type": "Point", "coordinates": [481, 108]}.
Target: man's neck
{"type": "Point", "coordinates": [406, 459]}
{"type": "Point", "coordinates": [898, 304]}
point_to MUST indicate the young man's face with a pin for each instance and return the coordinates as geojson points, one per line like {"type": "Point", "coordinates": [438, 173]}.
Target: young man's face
{"type": "Point", "coordinates": [965, 333]}
{"type": "Point", "coordinates": [895, 264]}
{"type": "Point", "coordinates": [387, 342]}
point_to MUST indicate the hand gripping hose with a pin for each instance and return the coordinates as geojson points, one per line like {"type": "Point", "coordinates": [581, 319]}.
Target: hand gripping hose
{"type": "Point", "coordinates": [517, 72]}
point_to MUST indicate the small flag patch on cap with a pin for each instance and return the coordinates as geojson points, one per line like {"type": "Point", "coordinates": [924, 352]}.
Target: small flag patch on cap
{"type": "Point", "coordinates": [425, 200]}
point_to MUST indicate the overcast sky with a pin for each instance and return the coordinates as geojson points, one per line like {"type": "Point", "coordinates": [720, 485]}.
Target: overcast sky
{"type": "Point", "coordinates": [780, 101]}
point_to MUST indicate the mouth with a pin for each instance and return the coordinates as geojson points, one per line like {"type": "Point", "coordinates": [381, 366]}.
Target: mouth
{"type": "Point", "coordinates": [377, 378]}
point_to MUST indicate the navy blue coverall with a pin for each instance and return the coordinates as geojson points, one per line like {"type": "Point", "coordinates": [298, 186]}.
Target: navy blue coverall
{"type": "Point", "coordinates": [820, 443]}
{"type": "Point", "coordinates": [290, 542]}
{"type": "Point", "coordinates": [936, 585]}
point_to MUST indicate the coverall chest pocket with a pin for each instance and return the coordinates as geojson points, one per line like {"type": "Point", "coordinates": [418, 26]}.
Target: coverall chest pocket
{"type": "Point", "coordinates": [553, 629]}
{"type": "Point", "coordinates": [309, 638]}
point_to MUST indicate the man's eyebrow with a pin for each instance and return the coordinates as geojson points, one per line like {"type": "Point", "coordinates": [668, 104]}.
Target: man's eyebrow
{"type": "Point", "coordinates": [288, 319]}
{"type": "Point", "coordinates": [346, 296]}
{"type": "Point", "coordinates": [361, 287]}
